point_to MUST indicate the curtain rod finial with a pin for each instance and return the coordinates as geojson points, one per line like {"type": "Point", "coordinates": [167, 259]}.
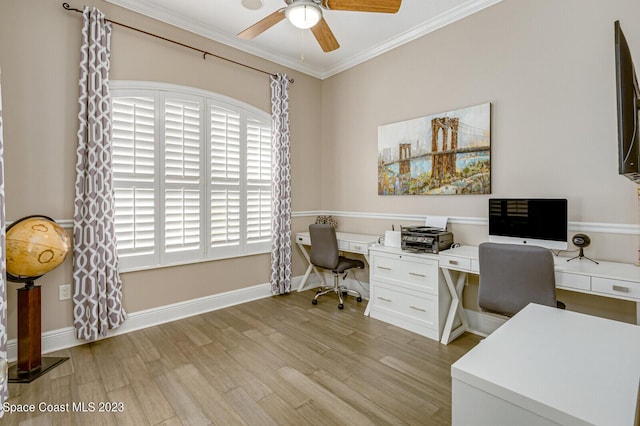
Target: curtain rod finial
{"type": "Point", "coordinates": [68, 7]}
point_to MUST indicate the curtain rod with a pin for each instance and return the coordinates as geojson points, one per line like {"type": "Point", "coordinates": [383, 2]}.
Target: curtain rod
{"type": "Point", "coordinates": [204, 52]}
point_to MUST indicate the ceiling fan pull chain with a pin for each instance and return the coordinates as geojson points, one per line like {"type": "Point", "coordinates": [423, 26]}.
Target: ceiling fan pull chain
{"type": "Point", "coordinates": [302, 46]}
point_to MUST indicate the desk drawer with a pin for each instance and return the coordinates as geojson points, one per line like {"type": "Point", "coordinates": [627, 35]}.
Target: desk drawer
{"type": "Point", "coordinates": [619, 288]}
{"type": "Point", "coordinates": [359, 247]}
{"type": "Point", "coordinates": [455, 262]}
{"type": "Point", "coordinates": [343, 245]}
{"type": "Point", "coordinates": [399, 270]}
{"type": "Point", "coordinates": [579, 282]}
{"type": "Point", "coordinates": [422, 307]}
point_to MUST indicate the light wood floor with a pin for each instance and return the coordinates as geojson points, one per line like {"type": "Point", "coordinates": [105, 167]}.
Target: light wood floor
{"type": "Point", "coordinates": [279, 360]}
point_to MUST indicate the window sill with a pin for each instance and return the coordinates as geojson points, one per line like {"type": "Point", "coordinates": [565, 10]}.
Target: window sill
{"type": "Point", "coordinates": [171, 265]}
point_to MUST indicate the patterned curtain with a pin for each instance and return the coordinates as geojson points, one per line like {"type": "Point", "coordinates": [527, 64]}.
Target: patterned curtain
{"type": "Point", "coordinates": [281, 187]}
{"type": "Point", "coordinates": [97, 294]}
{"type": "Point", "coordinates": [4, 390]}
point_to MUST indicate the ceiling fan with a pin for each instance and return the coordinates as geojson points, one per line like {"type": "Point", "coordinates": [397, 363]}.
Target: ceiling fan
{"type": "Point", "coordinates": [308, 14]}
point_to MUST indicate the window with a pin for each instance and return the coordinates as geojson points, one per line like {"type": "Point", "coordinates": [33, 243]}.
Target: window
{"type": "Point", "coordinates": [192, 175]}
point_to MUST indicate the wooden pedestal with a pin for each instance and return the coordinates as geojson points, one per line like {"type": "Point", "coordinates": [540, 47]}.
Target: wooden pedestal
{"type": "Point", "coordinates": [29, 329]}
{"type": "Point", "coordinates": [30, 364]}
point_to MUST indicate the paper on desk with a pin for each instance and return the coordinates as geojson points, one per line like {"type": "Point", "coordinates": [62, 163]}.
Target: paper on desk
{"type": "Point", "coordinates": [437, 222]}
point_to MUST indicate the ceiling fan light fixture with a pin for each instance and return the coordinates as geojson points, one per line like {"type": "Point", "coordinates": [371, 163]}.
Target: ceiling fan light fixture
{"type": "Point", "coordinates": [303, 14]}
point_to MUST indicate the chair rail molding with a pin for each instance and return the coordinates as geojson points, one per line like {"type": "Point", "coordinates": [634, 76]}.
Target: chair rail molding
{"type": "Point", "coordinates": [602, 227]}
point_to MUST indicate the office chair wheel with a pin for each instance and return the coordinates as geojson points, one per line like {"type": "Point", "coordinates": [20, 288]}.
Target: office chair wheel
{"type": "Point", "coordinates": [340, 306]}
{"type": "Point", "coordinates": [359, 299]}
{"type": "Point", "coordinates": [314, 301]}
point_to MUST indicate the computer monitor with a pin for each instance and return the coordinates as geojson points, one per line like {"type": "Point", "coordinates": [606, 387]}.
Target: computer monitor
{"type": "Point", "coordinates": [535, 221]}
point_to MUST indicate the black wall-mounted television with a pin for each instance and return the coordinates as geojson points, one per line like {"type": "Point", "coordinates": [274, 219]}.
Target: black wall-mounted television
{"type": "Point", "coordinates": [628, 96]}
{"type": "Point", "coordinates": [533, 221]}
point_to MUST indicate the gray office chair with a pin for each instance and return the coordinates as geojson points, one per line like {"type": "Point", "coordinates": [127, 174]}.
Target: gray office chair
{"type": "Point", "coordinates": [325, 254]}
{"type": "Point", "coordinates": [512, 276]}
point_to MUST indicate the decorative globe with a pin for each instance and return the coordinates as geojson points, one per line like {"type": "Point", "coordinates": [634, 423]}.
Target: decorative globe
{"type": "Point", "coordinates": [35, 246]}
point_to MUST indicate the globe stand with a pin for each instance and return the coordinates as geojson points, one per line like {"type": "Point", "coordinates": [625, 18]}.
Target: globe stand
{"type": "Point", "coordinates": [31, 364]}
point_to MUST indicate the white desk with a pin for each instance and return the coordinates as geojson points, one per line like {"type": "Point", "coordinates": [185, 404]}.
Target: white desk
{"type": "Point", "coordinates": [546, 366]}
{"type": "Point", "coordinates": [347, 242]}
{"type": "Point", "coordinates": [607, 279]}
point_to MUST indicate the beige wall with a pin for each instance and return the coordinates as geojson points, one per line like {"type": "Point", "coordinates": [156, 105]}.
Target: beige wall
{"type": "Point", "coordinates": [545, 65]}
{"type": "Point", "coordinates": [39, 56]}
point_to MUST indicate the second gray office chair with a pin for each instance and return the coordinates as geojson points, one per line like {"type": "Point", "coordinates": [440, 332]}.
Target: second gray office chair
{"type": "Point", "coordinates": [326, 255]}
{"type": "Point", "coordinates": [512, 276]}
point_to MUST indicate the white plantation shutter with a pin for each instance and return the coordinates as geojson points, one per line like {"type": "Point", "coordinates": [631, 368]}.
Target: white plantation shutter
{"type": "Point", "coordinates": [193, 175]}
{"type": "Point", "coordinates": [225, 145]}
{"type": "Point", "coordinates": [182, 220]}
{"type": "Point", "coordinates": [182, 158]}
{"type": "Point", "coordinates": [225, 180]}
{"type": "Point", "coordinates": [225, 219]}
{"type": "Point", "coordinates": [134, 174]}
{"type": "Point", "coordinates": [258, 183]}
{"type": "Point", "coordinates": [182, 141]}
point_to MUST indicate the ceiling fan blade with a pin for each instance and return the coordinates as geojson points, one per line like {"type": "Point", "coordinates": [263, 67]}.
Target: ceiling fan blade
{"type": "Point", "coordinates": [381, 6]}
{"type": "Point", "coordinates": [262, 25]}
{"type": "Point", "coordinates": [325, 37]}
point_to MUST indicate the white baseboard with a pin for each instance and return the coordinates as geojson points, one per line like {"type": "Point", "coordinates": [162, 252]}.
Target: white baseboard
{"type": "Point", "coordinates": [63, 338]}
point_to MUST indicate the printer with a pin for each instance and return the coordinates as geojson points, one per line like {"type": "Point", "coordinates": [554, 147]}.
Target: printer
{"type": "Point", "coordinates": [426, 239]}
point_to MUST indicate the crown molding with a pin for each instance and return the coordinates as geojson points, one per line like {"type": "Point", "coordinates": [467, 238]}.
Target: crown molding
{"type": "Point", "coordinates": [449, 17]}
{"type": "Point", "coordinates": [147, 8]}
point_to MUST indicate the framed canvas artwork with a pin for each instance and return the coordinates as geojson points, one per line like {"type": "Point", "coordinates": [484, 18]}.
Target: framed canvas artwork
{"type": "Point", "coordinates": [445, 153]}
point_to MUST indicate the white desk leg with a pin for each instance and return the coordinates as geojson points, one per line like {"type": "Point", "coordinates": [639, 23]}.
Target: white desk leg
{"type": "Point", "coordinates": [305, 277]}
{"type": "Point", "coordinates": [368, 308]}
{"type": "Point", "coordinates": [309, 269]}
{"type": "Point", "coordinates": [448, 334]}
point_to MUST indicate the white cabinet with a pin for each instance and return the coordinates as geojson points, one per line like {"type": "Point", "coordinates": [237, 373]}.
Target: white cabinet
{"type": "Point", "coordinates": [408, 290]}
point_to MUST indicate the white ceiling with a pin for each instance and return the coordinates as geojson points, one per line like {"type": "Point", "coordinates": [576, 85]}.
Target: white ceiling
{"type": "Point", "coordinates": [361, 35]}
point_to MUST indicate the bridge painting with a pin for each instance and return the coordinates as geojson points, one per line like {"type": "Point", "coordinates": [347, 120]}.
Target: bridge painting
{"type": "Point", "coordinates": [446, 153]}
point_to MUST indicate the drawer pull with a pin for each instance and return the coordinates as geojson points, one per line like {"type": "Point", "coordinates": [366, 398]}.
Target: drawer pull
{"type": "Point", "coordinates": [620, 288]}
{"type": "Point", "coordinates": [357, 247]}
{"type": "Point", "coordinates": [384, 299]}
{"type": "Point", "coordinates": [384, 267]}
{"type": "Point", "coordinates": [417, 275]}
{"type": "Point", "coordinates": [453, 262]}
{"type": "Point", "coordinates": [417, 309]}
